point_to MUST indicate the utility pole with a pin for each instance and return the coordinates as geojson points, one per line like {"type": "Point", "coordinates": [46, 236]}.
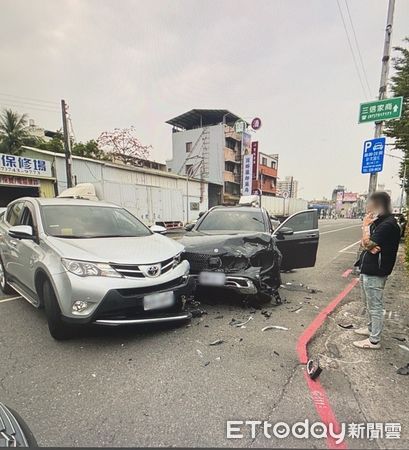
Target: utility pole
{"type": "Point", "coordinates": [373, 179]}
{"type": "Point", "coordinates": [67, 144]}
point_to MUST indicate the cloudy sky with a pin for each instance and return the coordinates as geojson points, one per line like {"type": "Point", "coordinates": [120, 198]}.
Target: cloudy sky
{"type": "Point", "coordinates": [134, 62]}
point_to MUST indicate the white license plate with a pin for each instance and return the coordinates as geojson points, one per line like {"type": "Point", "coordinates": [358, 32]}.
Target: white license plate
{"type": "Point", "coordinates": [212, 278]}
{"type": "Point", "coordinates": [159, 300]}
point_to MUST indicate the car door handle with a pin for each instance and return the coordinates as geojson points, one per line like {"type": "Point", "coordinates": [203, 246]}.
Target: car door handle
{"type": "Point", "coordinates": [311, 235]}
{"type": "Point", "coordinates": [13, 243]}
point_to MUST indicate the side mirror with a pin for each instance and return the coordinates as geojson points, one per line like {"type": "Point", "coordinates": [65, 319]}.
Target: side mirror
{"type": "Point", "coordinates": [158, 229]}
{"type": "Point", "coordinates": [201, 214]}
{"type": "Point", "coordinates": [189, 226]}
{"type": "Point", "coordinates": [285, 231]}
{"type": "Point", "coordinates": [21, 232]}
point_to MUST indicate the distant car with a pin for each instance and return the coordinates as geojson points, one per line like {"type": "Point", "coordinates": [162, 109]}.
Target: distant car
{"type": "Point", "coordinates": [89, 262]}
{"type": "Point", "coordinates": [402, 222]}
{"type": "Point", "coordinates": [237, 249]}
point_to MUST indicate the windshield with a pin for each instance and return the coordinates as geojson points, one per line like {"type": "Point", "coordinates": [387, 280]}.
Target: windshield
{"type": "Point", "coordinates": [233, 220]}
{"type": "Point", "coordinates": [80, 221]}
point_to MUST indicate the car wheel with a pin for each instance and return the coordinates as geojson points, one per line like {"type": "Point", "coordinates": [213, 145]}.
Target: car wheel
{"type": "Point", "coordinates": [4, 286]}
{"type": "Point", "coordinates": [59, 330]}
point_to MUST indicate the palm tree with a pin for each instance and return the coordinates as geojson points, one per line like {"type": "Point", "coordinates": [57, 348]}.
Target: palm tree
{"type": "Point", "coordinates": [13, 132]}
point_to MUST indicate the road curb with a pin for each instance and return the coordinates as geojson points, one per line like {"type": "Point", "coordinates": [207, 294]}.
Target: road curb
{"type": "Point", "coordinates": [318, 393]}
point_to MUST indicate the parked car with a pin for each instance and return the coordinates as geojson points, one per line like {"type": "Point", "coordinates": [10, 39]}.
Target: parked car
{"type": "Point", "coordinates": [90, 262]}
{"type": "Point", "coordinates": [402, 222]}
{"type": "Point", "coordinates": [238, 249]}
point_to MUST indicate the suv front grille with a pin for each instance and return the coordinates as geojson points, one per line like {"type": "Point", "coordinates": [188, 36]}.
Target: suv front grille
{"type": "Point", "coordinates": [133, 270]}
{"type": "Point", "coordinates": [198, 261]}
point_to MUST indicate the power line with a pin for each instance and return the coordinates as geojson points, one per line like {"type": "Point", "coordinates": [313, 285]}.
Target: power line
{"type": "Point", "coordinates": [352, 50]}
{"type": "Point", "coordinates": [30, 99]}
{"type": "Point", "coordinates": [26, 106]}
{"type": "Point", "coordinates": [358, 48]}
{"type": "Point", "coordinates": [28, 103]}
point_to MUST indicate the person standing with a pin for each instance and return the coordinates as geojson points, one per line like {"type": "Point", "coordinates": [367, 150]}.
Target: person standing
{"type": "Point", "coordinates": [380, 242]}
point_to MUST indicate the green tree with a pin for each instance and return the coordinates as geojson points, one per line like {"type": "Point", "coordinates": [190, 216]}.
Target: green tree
{"type": "Point", "coordinates": [399, 129]}
{"type": "Point", "coordinates": [14, 132]}
{"type": "Point", "coordinates": [89, 149]}
{"type": "Point", "coordinates": [56, 144]}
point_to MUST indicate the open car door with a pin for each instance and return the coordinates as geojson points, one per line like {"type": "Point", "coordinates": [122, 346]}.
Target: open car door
{"type": "Point", "coordinates": [297, 239]}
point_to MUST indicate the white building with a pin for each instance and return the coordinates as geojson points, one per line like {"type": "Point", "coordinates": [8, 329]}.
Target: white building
{"type": "Point", "coordinates": [205, 145]}
{"type": "Point", "coordinates": [288, 185]}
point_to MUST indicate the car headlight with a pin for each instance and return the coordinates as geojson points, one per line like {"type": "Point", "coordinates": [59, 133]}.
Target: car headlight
{"type": "Point", "coordinates": [89, 269]}
{"type": "Point", "coordinates": [177, 259]}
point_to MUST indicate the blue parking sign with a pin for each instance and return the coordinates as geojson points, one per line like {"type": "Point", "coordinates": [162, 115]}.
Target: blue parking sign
{"type": "Point", "coordinates": [372, 158]}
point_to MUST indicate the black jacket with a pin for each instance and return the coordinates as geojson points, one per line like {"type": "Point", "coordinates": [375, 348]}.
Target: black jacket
{"type": "Point", "coordinates": [385, 232]}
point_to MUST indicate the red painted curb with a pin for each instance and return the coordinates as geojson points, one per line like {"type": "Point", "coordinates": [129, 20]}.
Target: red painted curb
{"type": "Point", "coordinates": [318, 394]}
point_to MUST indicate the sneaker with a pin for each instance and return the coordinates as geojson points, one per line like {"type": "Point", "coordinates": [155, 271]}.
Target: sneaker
{"type": "Point", "coordinates": [362, 331]}
{"type": "Point", "coordinates": [366, 343]}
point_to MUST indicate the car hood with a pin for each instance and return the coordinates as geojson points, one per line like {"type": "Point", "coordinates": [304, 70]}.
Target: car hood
{"type": "Point", "coordinates": [128, 250]}
{"type": "Point", "coordinates": [234, 244]}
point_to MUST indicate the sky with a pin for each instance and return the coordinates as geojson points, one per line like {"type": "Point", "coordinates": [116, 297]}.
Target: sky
{"type": "Point", "coordinates": [122, 63]}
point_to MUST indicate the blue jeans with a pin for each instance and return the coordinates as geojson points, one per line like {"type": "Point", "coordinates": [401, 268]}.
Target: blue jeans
{"type": "Point", "coordinates": [372, 295]}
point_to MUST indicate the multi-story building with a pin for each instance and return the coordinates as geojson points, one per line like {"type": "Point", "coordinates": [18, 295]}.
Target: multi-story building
{"type": "Point", "coordinates": [266, 178]}
{"type": "Point", "coordinates": [288, 185]}
{"type": "Point", "coordinates": [206, 146]}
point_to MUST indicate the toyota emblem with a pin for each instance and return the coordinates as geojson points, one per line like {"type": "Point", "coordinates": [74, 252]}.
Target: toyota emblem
{"type": "Point", "coordinates": [153, 271]}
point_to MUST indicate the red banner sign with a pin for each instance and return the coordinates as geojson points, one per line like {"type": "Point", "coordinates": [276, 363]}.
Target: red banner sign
{"type": "Point", "coordinates": [254, 152]}
{"type": "Point", "coordinates": [18, 181]}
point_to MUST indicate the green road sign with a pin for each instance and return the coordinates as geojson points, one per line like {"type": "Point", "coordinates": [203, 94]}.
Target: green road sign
{"type": "Point", "coordinates": [390, 108]}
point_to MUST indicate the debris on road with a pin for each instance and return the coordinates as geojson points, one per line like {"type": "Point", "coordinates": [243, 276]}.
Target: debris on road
{"type": "Point", "coordinates": [217, 342]}
{"type": "Point", "coordinates": [238, 323]}
{"type": "Point", "coordinates": [274, 327]}
{"type": "Point", "coordinates": [398, 338]}
{"type": "Point", "coordinates": [296, 310]}
{"type": "Point", "coordinates": [347, 326]}
{"type": "Point", "coordinates": [403, 370]}
{"type": "Point", "coordinates": [266, 314]}
{"type": "Point", "coordinates": [199, 353]}
{"type": "Point", "coordinates": [404, 347]}
{"type": "Point", "coordinates": [300, 287]}
{"type": "Point", "coordinates": [313, 368]}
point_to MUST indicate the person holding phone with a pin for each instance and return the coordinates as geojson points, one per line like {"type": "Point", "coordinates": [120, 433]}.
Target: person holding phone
{"type": "Point", "coordinates": [380, 242]}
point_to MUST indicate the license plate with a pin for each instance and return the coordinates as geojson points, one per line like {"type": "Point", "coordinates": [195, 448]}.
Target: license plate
{"type": "Point", "coordinates": [212, 278]}
{"type": "Point", "coordinates": [159, 300]}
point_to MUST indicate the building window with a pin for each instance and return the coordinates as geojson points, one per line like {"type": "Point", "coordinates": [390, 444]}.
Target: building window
{"type": "Point", "coordinates": [188, 147]}
{"type": "Point", "coordinates": [273, 164]}
{"type": "Point", "coordinates": [264, 161]}
{"type": "Point", "coordinates": [189, 170]}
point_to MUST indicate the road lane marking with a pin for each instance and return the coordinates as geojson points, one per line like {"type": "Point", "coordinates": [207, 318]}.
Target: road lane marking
{"type": "Point", "coordinates": [349, 246]}
{"type": "Point", "coordinates": [318, 394]}
{"type": "Point", "coordinates": [10, 299]}
{"type": "Point", "coordinates": [340, 229]}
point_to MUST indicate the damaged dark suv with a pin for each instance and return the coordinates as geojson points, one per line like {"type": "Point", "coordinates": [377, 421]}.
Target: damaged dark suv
{"type": "Point", "coordinates": [236, 249]}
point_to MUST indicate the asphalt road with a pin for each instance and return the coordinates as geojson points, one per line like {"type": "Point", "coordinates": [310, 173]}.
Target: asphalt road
{"type": "Point", "coordinates": [167, 386]}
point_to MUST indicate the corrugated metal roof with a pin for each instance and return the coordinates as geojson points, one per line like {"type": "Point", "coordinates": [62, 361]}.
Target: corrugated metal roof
{"type": "Point", "coordinates": [197, 118]}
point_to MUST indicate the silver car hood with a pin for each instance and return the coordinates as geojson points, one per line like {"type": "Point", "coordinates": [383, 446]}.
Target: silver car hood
{"type": "Point", "coordinates": [129, 250]}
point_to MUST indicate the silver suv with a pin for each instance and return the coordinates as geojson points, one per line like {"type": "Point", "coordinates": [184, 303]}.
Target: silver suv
{"type": "Point", "coordinates": [90, 262]}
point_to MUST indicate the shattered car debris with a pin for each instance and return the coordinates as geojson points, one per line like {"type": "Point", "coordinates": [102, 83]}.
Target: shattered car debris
{"type": "Point", "coordinates": [235, 249]}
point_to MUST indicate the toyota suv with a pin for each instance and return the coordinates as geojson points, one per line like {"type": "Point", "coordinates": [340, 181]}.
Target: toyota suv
{"type": "Point", "coordinates": [90, 262]}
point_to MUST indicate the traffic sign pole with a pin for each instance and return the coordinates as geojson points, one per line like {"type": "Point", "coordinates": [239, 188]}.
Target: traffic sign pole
{"type": "Point", "coordinates": [373, 179]}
